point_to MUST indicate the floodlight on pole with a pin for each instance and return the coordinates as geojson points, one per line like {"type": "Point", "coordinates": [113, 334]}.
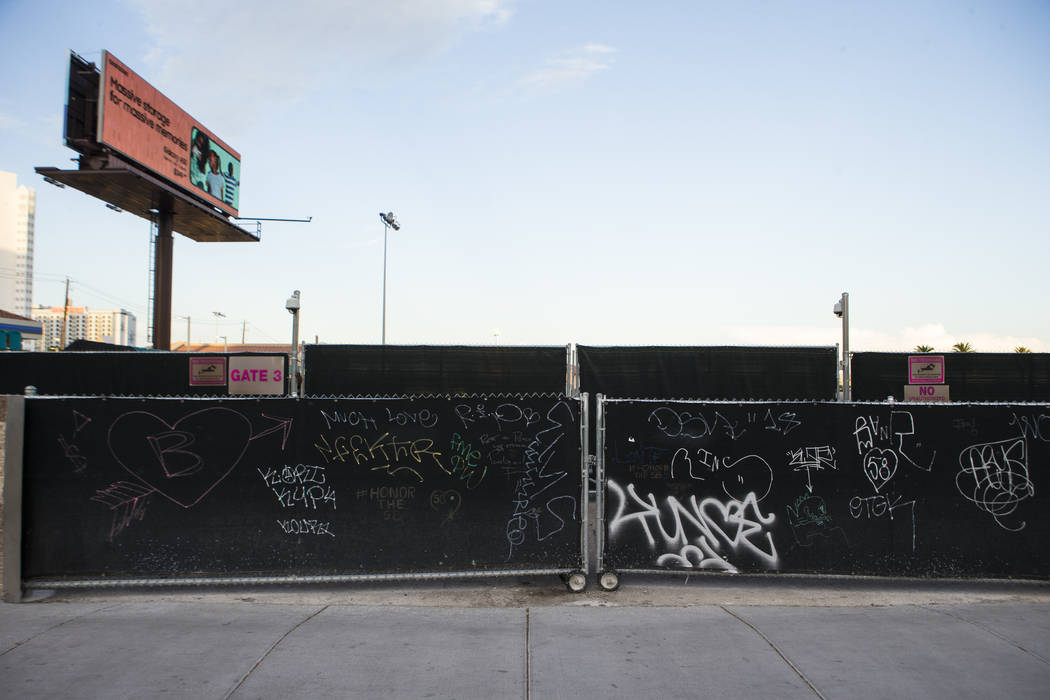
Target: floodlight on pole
{"type": "Point", "coordinates": [293, 308]}
{"type": "Point", "coordinates": [389, 221]}
{"type": "Point", "coordinates": [841, 309]}
{"type": "Point", "coordinates": [217, 315]}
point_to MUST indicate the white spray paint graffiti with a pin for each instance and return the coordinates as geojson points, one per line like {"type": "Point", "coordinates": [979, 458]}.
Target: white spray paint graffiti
{"type": "Point", "coordinates": [537, 513]}
{"type": "Point", "coordinates": [994, 476]}
{"type": "Point", "coordinates": [816, 458]}
{"type": "Point", "coordinates": [1033, 426]}
{"type": "Point", "coordinates": [880, 463]}
{"type": "Point", "coordinates": [738, 477]}
{"type": "Point", "coordinates": [673, 423]}
{"type": "Point", "coordinates": [881, 505]}
{"type": "Point", "coordinates": [700, 529]}
{"type": "Point", "coordinates": [783, 423]}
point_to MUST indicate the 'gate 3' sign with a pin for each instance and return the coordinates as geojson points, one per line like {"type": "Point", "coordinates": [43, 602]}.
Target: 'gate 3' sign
{"type": "Point", "coordinates": [257, 375]}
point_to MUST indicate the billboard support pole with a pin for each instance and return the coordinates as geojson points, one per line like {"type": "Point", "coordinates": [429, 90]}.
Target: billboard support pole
{"type": "Point", "coordinates": [162, 264]}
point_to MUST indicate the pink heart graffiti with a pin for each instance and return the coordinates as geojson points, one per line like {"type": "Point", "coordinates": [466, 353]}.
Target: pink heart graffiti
{"type": "Point", "coordinates": [183, 461]}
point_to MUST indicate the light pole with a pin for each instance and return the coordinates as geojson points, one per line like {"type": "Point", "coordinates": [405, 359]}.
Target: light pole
{"type": "Point", "coordinates": [293, 308]}
{"type": "Point", "coordinates": [217, 315]}
{"type": "Point", "coordinates": [388, 222]}
{"type": "Point", "coordinates": [841, 310]}
{"type": "Point", "coordinates": [187, 332]}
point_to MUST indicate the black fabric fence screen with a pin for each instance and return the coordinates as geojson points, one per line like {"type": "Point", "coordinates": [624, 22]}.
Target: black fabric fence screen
{"type": "Point", "coordinates": [144, 373]}
{"type": "Point", "coordinates": [190, 488]}
{"type": "Point", "coordinates": [374, 370]}
{"type": "Point", "coordinates": [970, 376]}
{"type": "Point", "coordinates": [831, 488]}
{"type": "Point", "coordinates": [709, 372]}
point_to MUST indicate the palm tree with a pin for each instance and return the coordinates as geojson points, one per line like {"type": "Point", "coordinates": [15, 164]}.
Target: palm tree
{"type": "Point", "coordinates": [923, 348]}
{"type": "Point", "coordinates": [1021, 349]}
{"type": "Point", "coordinates": [962, 346]}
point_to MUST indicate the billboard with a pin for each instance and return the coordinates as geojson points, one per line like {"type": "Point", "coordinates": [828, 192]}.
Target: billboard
{"type": "Point", "coordinates": [139, 122]}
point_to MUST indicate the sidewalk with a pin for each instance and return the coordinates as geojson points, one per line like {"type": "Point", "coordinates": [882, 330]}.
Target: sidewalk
{"type": "Point", "coordinates": [657, 637]}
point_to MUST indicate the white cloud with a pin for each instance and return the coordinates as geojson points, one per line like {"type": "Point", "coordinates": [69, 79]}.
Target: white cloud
{"type": "Point", "coordinates": [271, 52]}
{"type": "Point", "coordinates": [570, 67]}
{"type": "Point", "coordinates": [866, 339]}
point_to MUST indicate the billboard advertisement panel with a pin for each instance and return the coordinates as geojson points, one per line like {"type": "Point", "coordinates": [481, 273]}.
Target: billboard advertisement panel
{"type": "Point", "coordinates": [138, 121]}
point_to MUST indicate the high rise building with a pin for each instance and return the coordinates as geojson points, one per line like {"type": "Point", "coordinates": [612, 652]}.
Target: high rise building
{"type": "Point", "coordinates": [17, 213]}
{"type": "Point", "coordinates": [115, 326]}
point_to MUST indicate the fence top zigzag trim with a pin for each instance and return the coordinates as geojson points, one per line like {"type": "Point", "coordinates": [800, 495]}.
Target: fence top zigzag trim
{"type": "Point", "coordinates": [526, 395]}
{"type": "Point", "coordinates": [710, 347]}
{"type": "Point", "coordinates": [686, 399]}
{"type": "Point", "coordinates": [309, 397]}
{"type": "Point", "coordinates": [813, 402]}
{"type": "Point", "coordinates": [184, 397]}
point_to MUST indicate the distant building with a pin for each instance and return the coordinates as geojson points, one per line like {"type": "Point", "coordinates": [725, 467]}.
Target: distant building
{"type": "Point", "coordinates": [18, 332]}
{"type": "Point", "coordinates": [285, 348]}
{"type": "Point", "coordinates": [114, 326]}
{"type": "Point", "coordinates": [17, 214]}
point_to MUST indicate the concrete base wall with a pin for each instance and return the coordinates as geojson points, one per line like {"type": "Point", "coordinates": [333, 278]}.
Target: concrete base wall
{"type": "Point", "coordinates": [12, 424]}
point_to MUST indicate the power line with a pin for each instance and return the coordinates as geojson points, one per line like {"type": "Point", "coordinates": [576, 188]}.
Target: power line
{"type": "Point", "coordinates": [108, 297]}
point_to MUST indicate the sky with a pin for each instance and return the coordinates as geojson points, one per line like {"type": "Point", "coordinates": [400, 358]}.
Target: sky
{"type": "Point", "coordinates": [602, 173]}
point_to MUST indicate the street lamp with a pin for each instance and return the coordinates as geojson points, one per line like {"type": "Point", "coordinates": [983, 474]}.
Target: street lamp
{"type": "Point", "coordinates": [841, 309]}
{"type": "Point", "coordinates": [293, 308]}
{"type": "Point", "coordinates": [388, 222]}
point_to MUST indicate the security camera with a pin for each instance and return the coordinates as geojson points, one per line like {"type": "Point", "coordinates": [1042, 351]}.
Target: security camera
{"type": "Point", "coordinates": [838, 308]}
{"type": "Point", "coordinates": [293, 302]}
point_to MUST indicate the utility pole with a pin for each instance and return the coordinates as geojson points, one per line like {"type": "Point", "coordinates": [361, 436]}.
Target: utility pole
{"type": "Point", "coordinates": [187, 332]}
{"type": "Point", "coordinates": [244, 331]}
{"type": "Point", "coordinates": [65, 319]}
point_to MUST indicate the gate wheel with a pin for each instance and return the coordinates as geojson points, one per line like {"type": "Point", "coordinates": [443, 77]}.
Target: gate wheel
{"type": "Point", "coordinates": [576, 581]}
{"type": "Point", "coordinates": [608, 580]}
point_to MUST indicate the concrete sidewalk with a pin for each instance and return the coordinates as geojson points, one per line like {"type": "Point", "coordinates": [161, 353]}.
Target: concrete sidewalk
{"type": "Point", "coordinates": [652, 639]}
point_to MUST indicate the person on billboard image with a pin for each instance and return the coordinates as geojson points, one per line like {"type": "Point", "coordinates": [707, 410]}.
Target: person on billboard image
{"type": "Point", "coordinates": [199, 157]}
{"type": "Point", "coordinates": [229, 190]}
{"type": "Point", "coordinates": [214, 181]}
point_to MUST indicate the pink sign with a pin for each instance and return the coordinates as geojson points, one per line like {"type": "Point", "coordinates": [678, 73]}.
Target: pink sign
{"type": "Point", "coordinates": [207, 371]}
{"type": "Point", "coordinates": [926, 369]}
